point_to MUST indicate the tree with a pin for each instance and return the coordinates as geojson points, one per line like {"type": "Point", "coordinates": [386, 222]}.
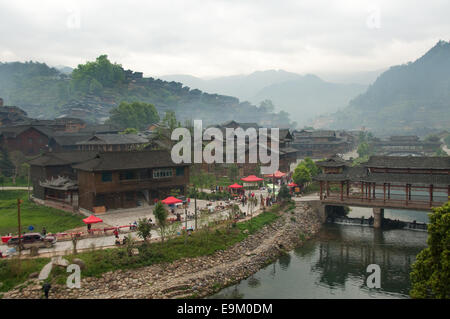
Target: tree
{"type": "Point", "coordinates": [17, 159]}
{"type": "Point", "coordinates": [136, 115]}
{"type": "Point", "coordinates": [301, 174]}
{"type": "Point", "coordinates": [129, 130]}
{"type": "Point", "coordinates": [130, 244]}
{"type": "Point", "coordinates": [161, 218]}
{"type": "Point", "coordinates": [144, 229]}
{"type": "Point", "coordinates": [267, 106]}
{"type": "Point", "coordinates": [233, 172]}
{"type": "Point", "coordinates": [313, 168]}
{"type": "Point", "coordinates": [432, 138]}
{"type": "Point", "coordinates": [430, 276]}
{"type": "Point", "coordinates": [170, 120]}
{"type": "Point", "coordinates": [94, 76]}
{"type": "Point", "coordinates": [284, 194]}
{"type": "Point", "coordinates": [363, 149]}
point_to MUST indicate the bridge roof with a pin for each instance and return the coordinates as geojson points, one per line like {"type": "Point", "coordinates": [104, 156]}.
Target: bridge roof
{"type": "Point", "coordinates": [412, 162]}
{"type": "Point", "coordinates": [360, 174]}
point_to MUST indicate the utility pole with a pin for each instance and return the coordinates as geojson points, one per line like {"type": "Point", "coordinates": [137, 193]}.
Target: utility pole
{"type": "Point", "coordinates": [195, 206]}
{"type": "Point", "coordinates": [19, 201]}
{"type": "Point", "coordinates": [185, 223]}
{"type": "Point", "coordinates": [28, 182]}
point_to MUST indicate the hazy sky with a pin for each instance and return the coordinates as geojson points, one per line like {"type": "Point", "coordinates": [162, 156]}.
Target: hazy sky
{"type": "Point", "coordinates": [210, 38]}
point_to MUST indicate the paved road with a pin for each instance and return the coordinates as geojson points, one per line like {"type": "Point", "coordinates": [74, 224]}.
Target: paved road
{"type": "Point", "coordinates": [125, 217]}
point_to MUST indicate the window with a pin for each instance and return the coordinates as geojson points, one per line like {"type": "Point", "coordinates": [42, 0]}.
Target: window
{"type": "Point", "coordinates": [180, 171]}
{"type": "Point", "coordinates": [106, 177]}
{"type": "Point", "coordinates": [162, 173]}
{"type": "Point", "coordinates": [127, 175]}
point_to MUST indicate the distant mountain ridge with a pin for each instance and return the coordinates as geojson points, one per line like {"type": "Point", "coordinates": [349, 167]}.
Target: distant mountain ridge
{"type": "Point", "coordinates": [409, 98]}
{"type": "Point", "coordinates": [242, 86]}
{"type": "Point", "coordinates": [303, 96]}
{"type": "Point", "coordinates": [45, 92]}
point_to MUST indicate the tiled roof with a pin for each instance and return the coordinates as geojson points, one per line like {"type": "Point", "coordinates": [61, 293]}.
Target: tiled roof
{"type": "Point", "coordinates": [14, 130]}
{"type": "Point", "coordinates": [113, 139]}
{"type": "Point", "coordinates": [65, 139]}
{"type": "Point", "coordinates": [62, 158]}
{"type": "Point", "coordinates": [417, 162]}
{"type": "Point", "coordinates": [361, 173]}
{"type": "Point", "coordinates": [109, 161]}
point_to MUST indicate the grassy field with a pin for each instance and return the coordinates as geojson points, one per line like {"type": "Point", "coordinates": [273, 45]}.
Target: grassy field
{"type": "Point", "coordinates": [54, 220]}
{"type": "Point", "coordinates": [12, 274]}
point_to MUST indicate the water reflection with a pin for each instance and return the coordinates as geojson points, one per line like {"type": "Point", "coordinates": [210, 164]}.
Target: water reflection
{"type": "Point", "coordinates": [334, 266]}
{"type": "Point", "coordinates": [284, 261]}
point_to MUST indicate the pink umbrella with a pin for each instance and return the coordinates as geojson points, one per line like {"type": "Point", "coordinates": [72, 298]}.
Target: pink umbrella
{"type": "Point", "coordinates": [277, 174]}
{"type": "Point", "coordinates": [92, 220]}
{"type": "Point", "coordinates": [235, 186]}
{"type": "Point", "coordinates": [251, 178]}
{"type": "Point", "coordinates": [171, 200]}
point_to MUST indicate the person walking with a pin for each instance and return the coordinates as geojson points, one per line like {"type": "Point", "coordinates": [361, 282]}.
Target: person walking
{"type": "Point", "coordinates": [46, 288]}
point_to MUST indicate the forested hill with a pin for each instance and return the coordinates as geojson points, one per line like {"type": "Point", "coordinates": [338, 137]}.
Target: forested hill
{"type": "Point", "coordinates": [409, 98]}
{"type": "Point", "coordinates": [94, 88]}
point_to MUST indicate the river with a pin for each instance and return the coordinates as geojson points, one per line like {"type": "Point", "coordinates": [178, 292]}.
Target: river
{"type": "Point", "coordinates": [333, 264]}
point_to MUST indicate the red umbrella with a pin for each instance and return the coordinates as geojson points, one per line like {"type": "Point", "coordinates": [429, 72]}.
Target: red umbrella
{"type": "Point", "coordinates": [171, 200]}
{"type": "Point", "coordinates": [292, 185]}
{"type": "Point", "coordinates": [277, 174]}
{"type": "Point", "coordinates": [251, 178]}
{"type": "Point", "coordinates": [235, 186]}
{"type": "Point", "coordinates": [92, 220]}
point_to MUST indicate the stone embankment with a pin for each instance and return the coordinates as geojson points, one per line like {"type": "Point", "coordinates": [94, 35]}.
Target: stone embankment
{"type": "Point", "coordinates": [194, 277]}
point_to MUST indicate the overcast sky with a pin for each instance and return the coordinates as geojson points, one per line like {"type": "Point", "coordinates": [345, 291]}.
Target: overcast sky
{"type": "Point", "coordinates": [212, 38]}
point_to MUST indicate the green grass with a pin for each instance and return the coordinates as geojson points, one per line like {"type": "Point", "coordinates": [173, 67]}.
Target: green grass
{"type": "Point", "coordinates": [11, 274]}
{"type": "Point", "coordinates": [20, 181]}
{"type": "Point", "coordinates": [200, 243]}
{"type": "Point", "coordinates": [54, 220]}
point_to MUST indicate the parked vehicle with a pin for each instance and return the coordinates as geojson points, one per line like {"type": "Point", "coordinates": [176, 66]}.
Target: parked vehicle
{"type": "Point", "coordinates": [32, 240]}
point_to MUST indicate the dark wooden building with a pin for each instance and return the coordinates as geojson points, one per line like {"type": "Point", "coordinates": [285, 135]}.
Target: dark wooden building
{"type": "Point", "coordinates": [112, 142]}
{"type": "Point", "coordinates": [28, 139]}
{"type": "Point", "coordinates": [321, 143]}
{"type": "Point", "coordinates": [52, 165]}
{"type": "Point", "coordinates": [123, 179]}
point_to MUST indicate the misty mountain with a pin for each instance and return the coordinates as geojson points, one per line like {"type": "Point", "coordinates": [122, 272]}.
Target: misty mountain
{"type": "Point", "coordinates": [91, 91]}
{"type": "Point", "coordinates": [407, 98]}
{"type": "Point", "coordinates": [245, 87]}
{"type": "Point", "coordinates": [308, 96]}
{"type": "Point", "coordinates": [303, 96]}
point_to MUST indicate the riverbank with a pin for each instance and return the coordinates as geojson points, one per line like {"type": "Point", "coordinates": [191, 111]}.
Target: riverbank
{"type": "Point", "coordinates": [193, 277]}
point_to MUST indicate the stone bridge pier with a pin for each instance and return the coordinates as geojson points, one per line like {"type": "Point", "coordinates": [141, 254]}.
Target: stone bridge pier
{"type": "Point", "coordinates": [378, 215]}
{"type": "Point", "coordinates": [322, 210]}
